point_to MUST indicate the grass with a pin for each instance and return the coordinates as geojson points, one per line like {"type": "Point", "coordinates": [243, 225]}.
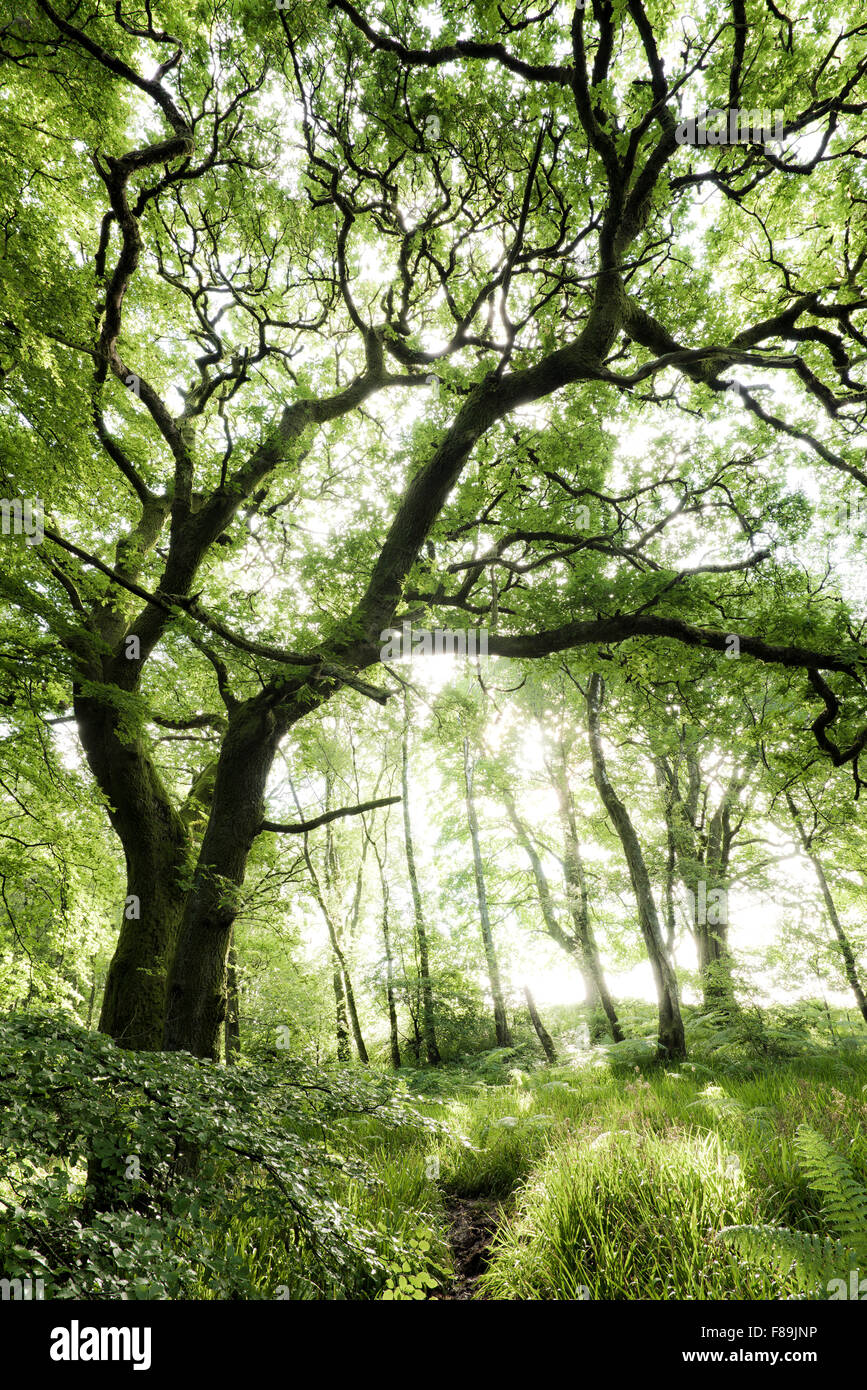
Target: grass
{"type": "Point", "coordinates": [617, 1173]}
{"type": "Point", "coordinates": [621, 1174]}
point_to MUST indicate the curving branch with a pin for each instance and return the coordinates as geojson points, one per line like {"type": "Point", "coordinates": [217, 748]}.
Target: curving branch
{"type": "Point", "coordinates": [301, 827]}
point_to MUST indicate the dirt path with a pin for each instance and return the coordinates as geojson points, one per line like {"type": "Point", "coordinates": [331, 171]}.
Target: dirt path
{"type": "Point", "coordinates": [472, 1223]}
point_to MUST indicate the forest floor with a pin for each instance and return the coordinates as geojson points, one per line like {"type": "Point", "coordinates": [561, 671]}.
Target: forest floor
{"type": "Point", "coordinates": [609, 1175]}
{"type": "Point", "coordinates": [612, 1175]}
{"type": "Point", "coordinates": [473, 1222]}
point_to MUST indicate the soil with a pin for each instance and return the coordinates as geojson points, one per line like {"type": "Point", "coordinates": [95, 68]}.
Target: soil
{"type": "Point", "coordinates": [472, 1223]}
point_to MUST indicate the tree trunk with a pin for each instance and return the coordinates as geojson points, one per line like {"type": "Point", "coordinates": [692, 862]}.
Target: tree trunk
{"type": "Point", "coordinates": [381, 861]}
{"type": "Point", "coordinates": [394, 1042]}
{"type": "Point", "coordinates": [360, 1047]}
{"type": "Point", "coordinates": [427, 1006]}
{"type": "Point", "coordinates": [541, 1032]}
{"type": "Point", "coordinates": [233, 1006]}
{"type": "Point", "coordinates": [583, 954]}
{"type": "Point", "coordinates": [672, 1042]}
{"type": "Point", "coordinates": [576, 891]}
{"type": "Point", "coordinates": [504, 1037]}
{"type": "Point", "coordinates": [670, 869]}
{"type": "Point", "coordinates": [196, 1004]}
{"type": "Point", "coordinates": [703, 870]}
{"type": "Point", "coordinates": [848, 955]}
{"type": "Point", "coordinates": [92, 1000]}
{"type": "Point", "coordinates": [155, 844]}
{"type": "Point", "coordinates": [333, 929]}
{"type": "Point", "coordinates": [714, 957]}
{"type": "Point", "coordinates": [341, 1021]}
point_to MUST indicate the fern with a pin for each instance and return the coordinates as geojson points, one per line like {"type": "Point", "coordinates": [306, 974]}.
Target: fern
{"type": "Point", "coordinates": [813, 1258]}
{"type": "Point", "coordinates": [844, 1198]}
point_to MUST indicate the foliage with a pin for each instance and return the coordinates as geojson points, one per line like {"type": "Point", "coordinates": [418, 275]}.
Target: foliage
{"type": "Point", "coordinates": [100, 1195]}
{"type": "Point", "coordinates": [412, 1278]}
{"type": "Point", "coordinates": [815, 1257]}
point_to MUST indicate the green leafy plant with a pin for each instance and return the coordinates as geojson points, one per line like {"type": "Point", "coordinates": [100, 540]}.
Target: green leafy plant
{"type": "Point", "coordinates": [815, 1258]}
{"type": "Point", "coordinates": [411, 1277]}
{"type": "Point", "coordinates": [76, 1110]}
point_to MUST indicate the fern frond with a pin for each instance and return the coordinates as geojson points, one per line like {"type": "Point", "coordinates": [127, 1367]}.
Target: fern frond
{"type": "Point", "coordinates": [814, 1258]}
{"type": "Point", "coordinates": [844, 1198]}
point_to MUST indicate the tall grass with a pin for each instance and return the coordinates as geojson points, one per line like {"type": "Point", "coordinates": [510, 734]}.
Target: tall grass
{"type": "Point", "coordinates": [616, 1173]}
{"type": "Point", "coordinates": [642, 1174]}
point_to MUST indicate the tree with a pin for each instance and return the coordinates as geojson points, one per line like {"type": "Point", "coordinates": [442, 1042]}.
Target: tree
{"type": "Point", "coordinates": [847, 954]}
{"type": "Point", "coordinates": [223, 352]}
{"type": "Point", "coordinates": [427, 1006]}
{"type": "Point", "coordinates": [580, 944]}
{"type": "Point", "coordinates": [672, 1042]}
{"type": "Point", "coordinates": [501, 1023]}
{"type": "Point", "coordinates": [702, 837]}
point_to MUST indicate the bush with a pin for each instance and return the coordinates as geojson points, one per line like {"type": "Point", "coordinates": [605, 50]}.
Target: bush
{"type": "Point", "coordinates": [155, 1175]}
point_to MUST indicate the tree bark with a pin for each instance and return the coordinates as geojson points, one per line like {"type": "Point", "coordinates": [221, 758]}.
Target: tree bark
{"type": "Point", "coordinates": [504, 1036]}
{"type": "Point", "coordinates": [233, 1006]}
{"type": "Point", "coordinates": [541, 1032]}
{"type": "Point", "coordinates": [672, 1042]}
{"type": "Point", "coordinates": [427, 1005]}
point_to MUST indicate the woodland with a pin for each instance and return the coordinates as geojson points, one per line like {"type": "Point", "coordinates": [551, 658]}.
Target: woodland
{"type": "Point", "coordinates": [433, 674]}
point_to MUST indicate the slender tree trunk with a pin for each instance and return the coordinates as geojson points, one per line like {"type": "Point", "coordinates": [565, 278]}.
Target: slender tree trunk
{"type": "Point", "coordinates": [576, 892]}
{"type": "Point", "coordinates": [233, 1006]}
{"type": "Point", "coordinates": [381, 861]}
{"type": "Point", "coordinates": [846, 952]}
{"type": "Point", "coordinates": [342, 1023]}
{"type": "Point", "coordinates": [336, 942]}
{"type": "Point", "coordinates": [672, 1042]}
{"type": "Point", "coordinates": [670, 869]}
{"type": "Point", "coordinates": [346, 999]}
{"type": "Point", "coordinates": [576, 886]}
{"type": "Point", "coordinates": [703, 871]}
{"type": "Point", "coordinates": [92, 1000]}
{"type": "Point", "coordinates": [347, 994]}
{"type": "Point", "coordinates": [541, 1032]}
{"type": "Point", "coordinates": [353, 1011]}
{"type": "Point", "coordinates": [715, 961]}
{"type": "Point", "coordinates": [427, 1005]}
{"type": "Point", "coordinates": [504, 1037]}
{"type": "Point", "coordinates": [394, 1041]}
{"type": "Point", "coordinates": [584, 953]}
